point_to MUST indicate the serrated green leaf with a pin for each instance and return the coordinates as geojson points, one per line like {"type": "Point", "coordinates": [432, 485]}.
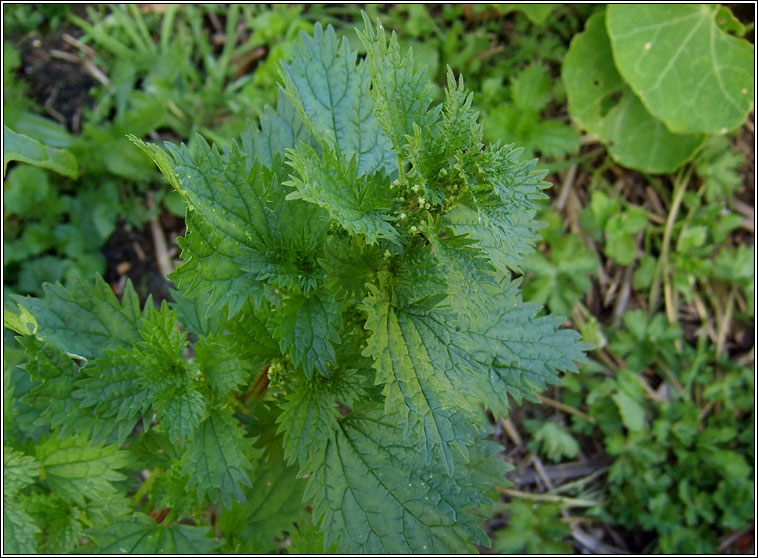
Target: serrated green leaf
{"type": "Point", "coordinates": [195, 313]}
{"type": "Point", "coordinates": [240, 228]}
{"type": "Point", "coordinates": [18, 147]}
{"type": "Point", "coordinates": [223, 368]}
{"type": "Point", "coordinates": [602, 103]}
{"type": "Point", "coordinates": [179, 411]}
{"type": "Point", "coordinates": [274, 504]}
{"type": "Point", "coordinates": [522, 352]}
{"type": "Point", "coordinates": [140, 534]}
{"type": "Point", "coordinates": [19, 529]}
{"type": "Point", "coordinates": [113, 394]}
{"type": "Point", "coordinates": [373, 492]}
{"type": "Point", "coordinates": [402, 95]}
{"type": "Point", "coordinates": [19, 470]}
{"type": "Point", "coordinates": [74, 469]}
{"type": "Point", "coordinates": [422, 381]}
{"type": "Point", "coordinates": [280, 130]}
{"type": "Point", "coordinates": [56, 374]}
{"type": "Point", "coordinates": [332, 96]}
{"type": "Point", "coordinates": [216, 460]}
{"type": "Point", "coordinates": [209, 269]}
{"type": "Point", "coordinates": [306, 328]}
{"type": "Point", "coordinates": [360, 203]}
{"type": "Point", "coordinates": [682, 65]}
{"type": "Point", "coordinates": [307, 539]}
{"type": "Point", "coordinates": [308, 417]}
{"type": "Point", "coordinates": [65, 531]}
{"type": "Point", "coordinates": [85, 319]}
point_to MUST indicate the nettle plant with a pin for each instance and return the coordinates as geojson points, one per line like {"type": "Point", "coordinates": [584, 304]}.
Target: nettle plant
{"type": "Point", "coordinates": [345, 312]}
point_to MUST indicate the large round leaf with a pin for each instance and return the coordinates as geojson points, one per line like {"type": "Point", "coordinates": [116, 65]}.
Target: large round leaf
{"type": "Point", "coordinates": [687, 71]}
{"type": "Point", "coordinates": [602, 103]}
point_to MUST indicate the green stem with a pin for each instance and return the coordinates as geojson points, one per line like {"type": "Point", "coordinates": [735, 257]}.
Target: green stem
{"type": "Point", "coordinates": [564, 500]}
{"type": "Point", "coordinates": [663, 268]}
{"type": "Point", "coordinates": [146, 486]}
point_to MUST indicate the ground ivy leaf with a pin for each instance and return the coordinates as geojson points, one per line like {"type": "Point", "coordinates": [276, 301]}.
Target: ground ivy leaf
{"type": "Point", "coordinates": [140, 534]}
{"type": "Point", "coordinates": [332, 95]}
{"type": "Point", "coordinates": [601, 102]}
{"type": "Point", "coordinates": [688, 73]}
{"type": "Point", "coordinates": [373, 492]}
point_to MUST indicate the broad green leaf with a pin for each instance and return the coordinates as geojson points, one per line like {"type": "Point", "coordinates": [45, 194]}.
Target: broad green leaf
{"type": "Point", "coordinates": [373, 492]}
{"type": "Point", "coordinates": [307, 539]}
{"type": "Point", "coordinates": [44, 130]}
{"type": "Point", "coordinates": [179, 411]}
{"type": "Point", "coordinates": [632, 413]}
{"type": "Point", "coordinates": [360, 203]}
{"type": "Point", "coordinates": [306, 328]}
{"type": "Point", "coordinates": [537, 13]}
{"type": "Point", "coordinates": [18, 147]}
{"type": "Point", "coordinates": [217, 460]}
{"type": "Point", "coordinates": [112, 394]}
{"type": "Point", "coordinates": [332, 96]}
{"type": "Point", "coordinates": [520, 351]}
{"type": "Point", "coordinates": [74, 469]}
{"type": "Point", "coordinates": [240, 228]}
{"type": "Point", "coordinates": [274, 504]}
{"type": "Point", "coordinates": [223, 368]}
{"type": "Point", "coordinates": [195, 313]}
{"type": "Point", "coordinates": [601, 102]}
{"type": "Point", "coordinates": [415, 361]}
{"type": "Point", "coordinates": [280, 129]}
{"type": "Point", "coordinates": [19, 470]}
{"type": "Point", "coordinates": [28, 191]}
{"type": "Point", "coordinates": [309, 411]}
{"type": "Point", "coordinates": [140, 534]}
{"type": "Point", "coordinates": [55, 373]}
{"type": "Point", "coordinates": [20, 530]}
{"type": "Point", "coordinates": [85, 319]}
{"type": "Point", "coordinates": [402, 95]}
{"type": "Point", "coordinates": [687, 71]}
{"type": "Point", "coordinates": [531, 88]}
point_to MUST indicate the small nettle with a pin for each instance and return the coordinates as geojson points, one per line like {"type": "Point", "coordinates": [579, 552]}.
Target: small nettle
{"type": "Point", "coordinates": [346, 302]}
